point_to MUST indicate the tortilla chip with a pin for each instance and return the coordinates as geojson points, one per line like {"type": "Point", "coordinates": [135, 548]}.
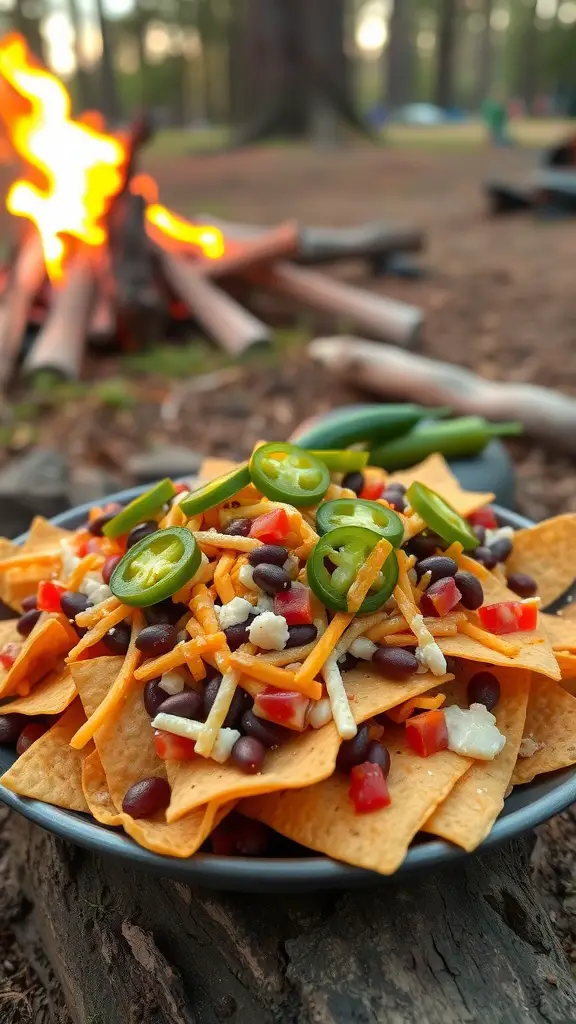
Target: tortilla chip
{"type": "Point", "coordinates": [322, 816]}
{"type": "Point", "coordinates": [41, 651]}
{"type": "Point", "coordinates": [467, 814]}
{"type": "Point", "coordinates": [96, 792]}
{"type": "Point", "coordinates": [50, 770]}
{"type": "Point", "coordinates": [561, 631]}
{"type": "Point", "coordinates": [545, 552]}
{"type": "Point", "coordinates": [18, 583]}
{"type": "Point", "coordinates": [370, 693]}
{"type": "Point", "coordinates": [44, 534]}
{"type": "Point", "coordinates": [550, 721]}
{"type": "Point", "coordinates": [8, 635]}
{"type": "Point", "coordinates": [51, 696]}
{"type": "Point", "coordinates": [567, 663]}
{"type": "Point", "coordinates": [213, 468]}
{"type": "Point", "coordinates": [436, 473]}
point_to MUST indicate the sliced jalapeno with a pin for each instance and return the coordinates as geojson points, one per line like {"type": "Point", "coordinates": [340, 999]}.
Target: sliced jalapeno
{"type": "Point", "coordinates": [142, 508]}
{"type": "Point", "coordinates": [345, 460]}
{"type": "Point", "coordinates": [336, 561]}
{"type": "Point", "coordinates": [284, 472]}
{"type": "Point", "coordinates": [216, 491]}
{"type": "Point", "coordinates": [440, 516]}
{"type": "Point", "coordinates": [358, 512]}
{"type": "Point", "coordinates": [156, 567]}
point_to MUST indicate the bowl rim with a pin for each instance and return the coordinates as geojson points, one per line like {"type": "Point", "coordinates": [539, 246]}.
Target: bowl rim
{"type": "Point", "coordinates": [282, 874]}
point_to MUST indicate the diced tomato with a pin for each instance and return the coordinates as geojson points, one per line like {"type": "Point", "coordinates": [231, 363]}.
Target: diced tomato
{"type": "Point", "coordinates": [427, 734]}
{"type": "Point", "coordinates": [373, 485]}
{"type": "Point", "coordinates": [181, 488]}
{"type": "Point", "coordinates": [173, 748]}
{"type": "Point", "coordinates": [8, 654]}
{"type": "Point", "coordinates": [441, 597]}
{"type": "Point", "coordinates": [484, 517]}
{"type": "Point", "coordinates": [272, 527]}
{"type": "Point", "coordinates": [508, 616]}
{"type": "Point", "coordinates": [282, 706]}
{"type": "Point", "coordinates": [294, 605]}
{"type": "Point", "coordinates": [368, 788]}
{"type": "Point", "coordinates": [48, 596]}
{"type": "Point", "coordinates": [97, 650]}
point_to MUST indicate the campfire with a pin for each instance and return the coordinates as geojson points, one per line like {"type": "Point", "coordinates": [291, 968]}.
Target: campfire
{"type": "Point", "coordinates": [99, 257]}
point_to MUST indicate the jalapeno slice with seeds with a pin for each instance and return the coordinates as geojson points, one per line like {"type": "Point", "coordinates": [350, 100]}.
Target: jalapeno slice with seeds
{"type": "Point", "coordinates": [216, 491]}
{"type": "Point", "coordinates": [284, 472]}
{"type": "Point", "coordinates": [440, 516]}
{"type": "Point", "coordinates": [156, 568]}
{"type": "Point", "coordinates": [336, 561]}
{"type": "Point", "coordinates": [144, 507]}
{"type": "Point", "coordinates": [358, 512]}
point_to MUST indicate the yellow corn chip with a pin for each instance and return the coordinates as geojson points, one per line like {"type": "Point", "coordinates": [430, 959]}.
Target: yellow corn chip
{"type": "Point", "coordinates": [96, 792]}
{"type": "Point", "coordinates": [44, 534]}
{"type": "Point", "coordinates": [8, 635]}
{"type": "Point", "coordinates": [370, 694]}
{"type": "Point", "coordinates": [551, 723]}
{"type": "Point", "coordinates": [323, 818]}
{"type": "Point", "coordinates": [50, 770]}
{"type": "Point", "coordinates": [41, 651]}
{"type": "Point", "coordinates": [18, 583]}
{"type": "Point", "coordinates": [561, 631]}
{"type": "Point", "coordinates": [436, 473]}
{"type": "Point", "coordinates": [50, 696]}
{"type": "Point", "coordinates": [213, 468]}
{"type": "Point", "coordinates": [467, 814]}
{"type": "Point", "coordinates": [545, 552]}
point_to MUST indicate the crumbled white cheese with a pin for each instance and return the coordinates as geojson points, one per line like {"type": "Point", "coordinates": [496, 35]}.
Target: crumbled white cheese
{"type": "Point", "coordinates": [428, 652]}
{"type": "Point", "coordinates": [264, 604]}
{"type": "Point", "coordinates": [320, 713]}
{"type": "Point", "coordinates": [473, 732]}
{"type": "Point", "coordinates": [293, 666]}
{"type": "Point", "coordinates": [363, 648]}
{"type": "Point", "coordinates": [292, 566]}
{"type": "Point", "coordinates": [246, 576]}
{"type": "Point", "coordinates": [269, 631]}
{"type": "Point", "coordinates": [528, 747]}
{"type": "Point", "coordinates": [172, 682]}
{"type": "Point", "coordinates": [94, 589]}
{"type": "Point", "coordinates": [412, 576]}
{"type": "Point", "coordinates": [203, 573]}
{"type": "Point", "coordinates": [500, 533]}
{"type": "Point", "coordinates": [234, 612]}
{"type": "Point", "coordinates": [193, 730]}
{"type": "Point", "coordinates": [69, 559]}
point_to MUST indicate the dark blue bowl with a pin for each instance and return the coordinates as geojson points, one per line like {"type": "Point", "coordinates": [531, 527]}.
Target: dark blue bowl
{"type": "Point", "coordinates": [527, 807]}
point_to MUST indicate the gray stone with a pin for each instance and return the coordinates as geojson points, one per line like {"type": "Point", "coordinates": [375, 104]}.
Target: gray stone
{"type": "Point", "coordinates": [170, 460]}
{"type": "Point", "coordinates": [32, 484]}
{"type": "Point", "coordinates": [91, 484]}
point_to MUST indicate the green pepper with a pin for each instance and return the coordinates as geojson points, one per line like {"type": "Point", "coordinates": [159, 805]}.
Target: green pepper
{"type": "Point", "coordinates": [345, 460]}
{"type": "Point", "coordinates": [144, 507]}
{"type": "Point", "coordinates": [216, 491]}
{"type": "Point", "coordinates": [358, 512]}
{"type": "Point", "coordinates": [347, 549]}
{"type": "Point", "coordinates": [467, 435]}
{"type": "Point", "coordinates": [440, 516]}
{"type": "Point", "coordinates": [365, 423]}
{"type": "Point", "coordinates": [156, 567]}
{"type": "Point", "coordinates": [284, 472]}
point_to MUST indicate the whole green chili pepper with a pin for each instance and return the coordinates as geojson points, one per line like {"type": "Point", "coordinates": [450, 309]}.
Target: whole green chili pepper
{"type": "Point", "coordinates": [370, 423]}
{"type": "Point", "coordinates": [467, 435]}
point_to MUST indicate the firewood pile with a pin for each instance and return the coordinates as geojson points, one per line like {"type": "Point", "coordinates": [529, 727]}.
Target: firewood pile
{"type": "Point", "coordinates": [550, 190]}
{"type": "Point", "coordinates": [99, 259]}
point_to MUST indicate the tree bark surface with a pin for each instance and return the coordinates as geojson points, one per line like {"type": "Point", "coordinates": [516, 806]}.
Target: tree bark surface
{"type": "Point", "coordinates": [470, 945]}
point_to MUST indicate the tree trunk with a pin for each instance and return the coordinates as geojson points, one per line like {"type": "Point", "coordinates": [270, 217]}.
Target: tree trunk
{"type": "Point", "coordinates": [82, 79]}
{"type": "Point", "coordinates": [529, 57]}
{"type": "Point", "coordinates": [110, 103]}
{"type": "Point", "coordinates": [445, 51]}
{"type": "Point", "coordinates": [399, 55]}
{"type": "Point", "coordinates": [485, 54]}
{"type": "Point", "coordinates": [27, 22]}
{"type": "Point", "coordinates": [471, 945]}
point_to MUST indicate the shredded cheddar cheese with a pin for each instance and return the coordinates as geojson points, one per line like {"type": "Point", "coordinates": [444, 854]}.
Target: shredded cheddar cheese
{"type": "Point", "coordinates": [272, 675]}
{"type": "Point", "coordinates": [99, 629]}
{"type": "Point", "coordinates": [490, 640]}
{"type": "Point", "coordinates": [323, 648]}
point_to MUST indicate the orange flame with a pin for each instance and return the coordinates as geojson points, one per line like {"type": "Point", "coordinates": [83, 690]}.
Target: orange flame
{"type": "Point", "coordinates": [81, 167]}
{"type": "Point", "coordinates": [207, 238]}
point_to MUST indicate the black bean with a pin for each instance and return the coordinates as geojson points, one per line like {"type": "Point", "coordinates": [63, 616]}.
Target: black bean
{"type": "Point", "coordinates": [354, 751]}
{"type": "Point", "coordinates": [347, 663]}
{"type": "Point", "coordinates": [354, 481]}
{"type": "Point", "coordinates": [270, 734]}
{"type": "Point", "coordinates": [395, 499]}
{"type": "Point", "coordinates": [183, 636]}
{"type": "Point", "coordinates": [272, 579]}
{"type": "Point", "coordinates": [272, 554]}
{"type": "Point", "coordinates": [109, 566]}
{"type": "Point", "coordinates": [26, 622]}
{"type": "Point", "coordinates": [10, 728]}
{"type": "Point", "coordinates": [239, 704]}
{"type": "Point", "coordinates": [377, 754]}
{"type": "Point", "coordinates": [439, 567]}
{"type": "Point", "coordinates": [300, 635]}
{"type": "Point", "coordinates": [146, 797]}
{"type": "Point", "coordinates": [30, 733]}
{"type": "Point", "coordinates": [483, 688]}
{"type": "Point", "coordinates": [485, 556]}
{"type": "Point", "coordinates": [239, 527]}
{"type": "Point", "coordinates": [501, 549]}
{"type": "Point", "coordinates": [72, 603]}
{"type": "Point", "coordinates": [28, 603]}
{"type": "Point", "coordinates": [141, 531]}
{"type": "Point", "coordinates": [164, 611]}
{"type": "Point", "coordinates": [422, 546]}
{"type": "Point", "coordinates": [470, 589]}
{"type": "Point", "coordinates": [156, 640]}
{"type": "Point", "coordinates": [395, 485]}
{"type": "Point", "coordinates": [522, 584]}
{"type": "Point", "coordinates": [154, 696]}
{"type": "Point", "coordinates": [252, 838]}
{"type": "Point", "coordinates": [117, 639]}
{"type": "Point", "coordinates": [452, 664]}
{"type": "Point", "coordinates": [394, 662]}
{"type": "Point", "coordinates": [248, 755]}
{"type": "Point", "coordinates": [96, 526]}
{"type": "Point", "coordinates": [238, 634]}
{"type": "Point", "coordinates": [188, 704]}
{"type": "Point", "coordinates": [480, 532]}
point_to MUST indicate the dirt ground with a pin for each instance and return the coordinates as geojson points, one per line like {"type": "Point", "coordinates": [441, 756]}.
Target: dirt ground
{"type": "Point", "coordinates": [499, 297]}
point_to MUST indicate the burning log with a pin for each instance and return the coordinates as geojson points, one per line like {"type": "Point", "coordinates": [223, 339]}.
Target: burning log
{"type": "Point", "coordinates": [139, 306]}
{"type": "Point", "coordinates": [25, 280]}
{"type": "Point", "coordinates": [231, 326]}
{"type": "Point", "coordinates": [261, 249]}
{"type": "Point", "coordinates": [381, 317]}
{"type": "Point", "coordinates": [59, 345]}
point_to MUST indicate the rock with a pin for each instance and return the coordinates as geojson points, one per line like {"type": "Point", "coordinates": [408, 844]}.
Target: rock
{"type": "Point", "coordinates": [91, 484]}
{"type": "Point", "coordinates": [170, 460]}
{"type": "Point", "coordinates": [30, 485]}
